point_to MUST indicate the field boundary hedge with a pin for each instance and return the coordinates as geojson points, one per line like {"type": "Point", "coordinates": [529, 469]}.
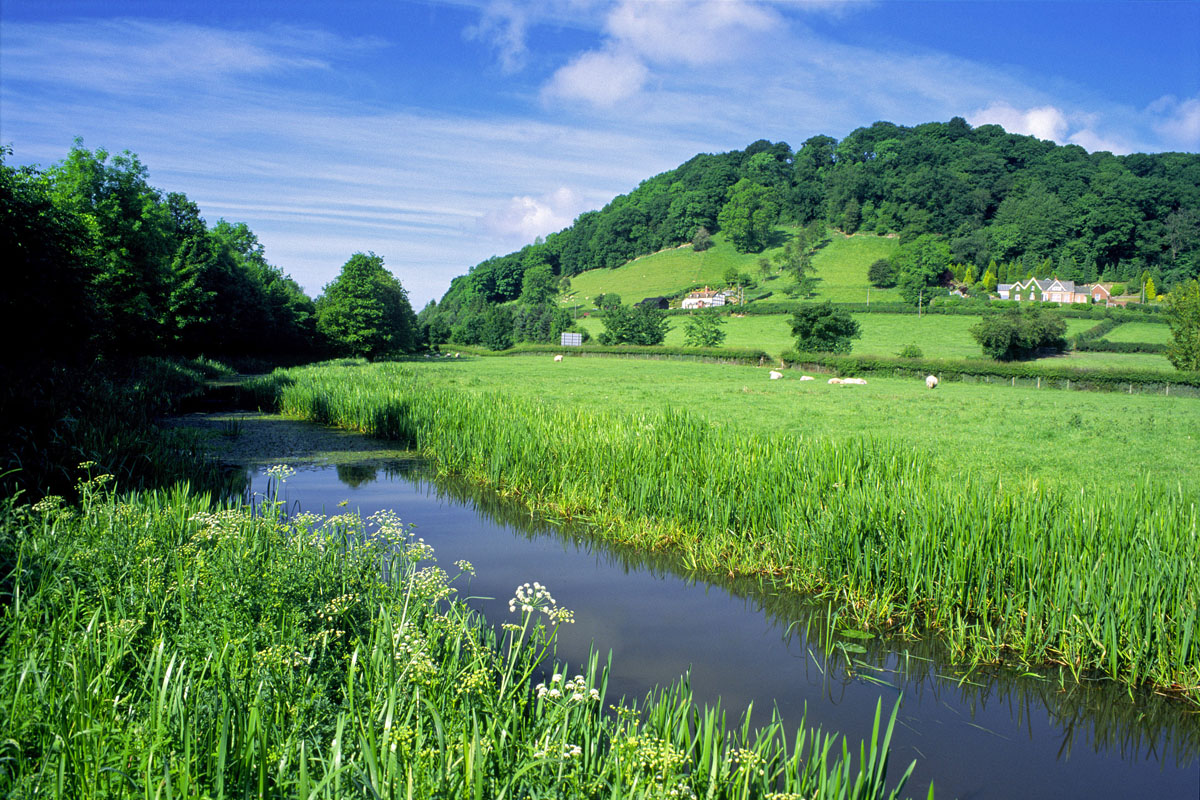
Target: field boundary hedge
{"type": "Point", "coordinates": [1042, 376]}
{"type": "Point", "coordinates": [714, 355]}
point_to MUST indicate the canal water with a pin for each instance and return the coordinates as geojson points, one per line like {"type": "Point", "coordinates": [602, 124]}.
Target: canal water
{"type": "Point", "coordinates": [975, 734]}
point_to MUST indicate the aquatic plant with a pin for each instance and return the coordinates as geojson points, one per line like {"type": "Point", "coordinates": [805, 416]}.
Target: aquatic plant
{"type": "Point", "coordinates": [157, 645]}
{"type": "Point", "coordinates": [1105, 584]}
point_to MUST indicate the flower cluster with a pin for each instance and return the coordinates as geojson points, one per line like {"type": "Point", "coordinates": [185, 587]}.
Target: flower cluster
{"type": "Point", "coordinates": [465, 567]}
{"type": "Point", "coordinates": [535, 597]}
{"type": "Point", "coordinates": [564, 751]}
{"type": "Point", "coordinates": [280, 472]}
{"type": "Point", "coordinates": [575, 690]}
{"type": "Point", "coordinates": [418, 551]}
{"type": "Point", "coordinates": [748, 761]}
{"type": "Point", "coordinates": [411, 650]}
{"type": "Point", "coordinates": [659, 759]}
{"type": "Point", "coordinates": [282, 655]}
{"type": "Point", "coordinates": [337, 606]}
{"type": "Point", "coordinates": [431, 583]}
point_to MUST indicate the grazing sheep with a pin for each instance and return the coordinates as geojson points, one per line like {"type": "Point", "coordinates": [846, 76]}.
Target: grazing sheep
{"type": "Point", "coordinates": [776, 375]}
{"type": "Point", "coordinates": [836, 380]}
{"type": "Point", "coordinates": [807, 378]}
{"type": "Point", "coordinates": [558, 357]}
{"type": "Point", "coordinates": [856, 381]}
{"type": "Point", "coordinates": [931, 381]}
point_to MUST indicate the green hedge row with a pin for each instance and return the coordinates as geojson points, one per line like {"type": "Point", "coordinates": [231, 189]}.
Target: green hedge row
{"type": "Point", "coordinates": [1105, 346]}
{"type": "Point", "coordinates": [965, 369]}
{"type": "Point", "coordinates": [724, 354]}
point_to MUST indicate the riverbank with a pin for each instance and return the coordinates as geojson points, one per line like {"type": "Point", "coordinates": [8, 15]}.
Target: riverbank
{"type": "Point", "coordinates": [157, 644]}
{"type": "Point", "coordinates": [1024, 574]}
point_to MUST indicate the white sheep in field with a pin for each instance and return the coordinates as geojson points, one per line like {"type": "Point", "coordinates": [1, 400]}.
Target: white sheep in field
{"type": "Point", "coordinates": [836, 380]}
{"type": "Point", "coordinates": [558, 357]}
{"type": "Point", "coordinates": [776, 375]}
{"type": "Point", "coordinates": [856, 381]}
{"type": "Point", "coordinates": [931, 381]}
{"type": "Point", "coordinates": [807, 378]}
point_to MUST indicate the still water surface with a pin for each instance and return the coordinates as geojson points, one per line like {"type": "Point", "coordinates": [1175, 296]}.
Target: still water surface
{"type": "Point", "coordinates": [987, 734]}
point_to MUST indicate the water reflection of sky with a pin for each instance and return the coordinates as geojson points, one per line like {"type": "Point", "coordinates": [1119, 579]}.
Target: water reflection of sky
{"type": "Point", "coordinates": [983, 735]}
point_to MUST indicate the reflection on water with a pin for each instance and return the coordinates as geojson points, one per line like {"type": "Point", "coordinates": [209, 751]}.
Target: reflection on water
{"type": "Point", "coordinates": [981, 733]}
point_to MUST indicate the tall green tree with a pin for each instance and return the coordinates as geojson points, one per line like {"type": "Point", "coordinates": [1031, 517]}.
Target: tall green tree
{"type": "Point", "coordinates": [640, 324]}
{"type": "Point", "coordinates": [703, 329]}
{"type": "Point", "coordinates": [365, 311]}
{"type": "Point", "coordinates": [130, 232]}
{"type": "Point", "coordinates": [1183, 316]}
{"type": "Point", "coordinates": [821, 328]}
{"type": "Point", "coordinates": [749, 216]}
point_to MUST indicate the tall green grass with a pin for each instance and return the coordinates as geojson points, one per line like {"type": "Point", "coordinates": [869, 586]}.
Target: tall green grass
{"type": "Point", "coordinates": [1105, 584]}
{"type": "Point", "coordinates": [156, 647]}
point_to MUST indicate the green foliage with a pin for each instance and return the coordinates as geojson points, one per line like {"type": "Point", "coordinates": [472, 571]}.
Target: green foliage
{"type": "Point", "coordinates": [1183, 316]}
{"type": "Point", "coordinates": [539, 285]}
{"type": "Point", "coordinates": [223, 653]}
{"type": "Point", "coordinates": [866, 519]}
{"type": "Point", "coordinates": [822, 328]}
{"type": "Point", "coordinates": [749, 216]}
{"type": "Point", "coordinates": [1016, 335]}
{"type": "Point", "coordinates": [703, 329]}
{"type": "Point", "coordinates": [882, 273]}
{"type": "Point", "coordinates": [911, 351]}
{"type": "Point", "coordinates": [921, 266]}
{"type": "Point", "coordinates": [365, 311]}
{"type": "Point", "coordinates": [641, 325]}
{"type": "Point", "coordinates": [702, 240]}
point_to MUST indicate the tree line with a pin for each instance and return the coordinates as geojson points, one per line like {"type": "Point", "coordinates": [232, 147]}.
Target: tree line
{"type": "Point", "coordinates": [956, 196]}
{"type": "Point", "coordinates": [100, 263]}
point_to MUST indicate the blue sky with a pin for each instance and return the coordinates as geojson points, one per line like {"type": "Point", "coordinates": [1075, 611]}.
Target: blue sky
{"type": "Point", "coordinates": [439, 133]}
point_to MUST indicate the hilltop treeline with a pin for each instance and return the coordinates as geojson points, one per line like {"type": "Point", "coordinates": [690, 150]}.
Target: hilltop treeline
{"type": "Point", "coordinates": [986, 194]}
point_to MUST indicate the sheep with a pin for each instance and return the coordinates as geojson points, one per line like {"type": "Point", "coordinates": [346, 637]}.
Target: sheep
{"type": "Point", "coordinates": [836, 380]}
{"type": "Point", "coordinates": [558, 357]}
{"type": "Point", "coordinates": [807, 378]}
{"type": "Point", "coordinates": [931, 381]}
{"type": "Point", "coordinates": [856, 381]}
{"type": "Point", "coordinates": [776, 375]}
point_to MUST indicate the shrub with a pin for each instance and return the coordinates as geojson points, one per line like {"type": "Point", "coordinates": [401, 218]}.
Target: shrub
{"type": "Point", "coordinates": [1013, 334]}
{"type": "Point", "coordinates": [882, 274]}
{"type": "Point", "coordinates": [823, 328]}
{"type": "Point", "coordinates": [911, 351]}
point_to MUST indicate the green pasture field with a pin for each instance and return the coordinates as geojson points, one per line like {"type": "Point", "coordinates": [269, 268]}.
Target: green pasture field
{"type": "Point", "coordinates": [840, 270]}
{"type": "Point", "coordinates": [938, 335]}
{"type": "Point", "coordinates": [1115, 361]}
{"type": "Point", "coordinates": [1103, 441]}
{"type": "Point", "coordinates": [1149, 332]}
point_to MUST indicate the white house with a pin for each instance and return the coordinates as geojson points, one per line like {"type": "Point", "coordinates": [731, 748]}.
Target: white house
{"type": "Point", "coordinates": [705, 298]}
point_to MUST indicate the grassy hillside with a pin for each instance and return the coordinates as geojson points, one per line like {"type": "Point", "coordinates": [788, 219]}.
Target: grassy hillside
{"type": "Point", "coordinates": [841, 271]}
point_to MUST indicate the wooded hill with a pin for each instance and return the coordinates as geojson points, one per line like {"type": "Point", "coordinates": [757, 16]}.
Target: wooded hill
{"type": "Point", "coordinates": [981, 194]}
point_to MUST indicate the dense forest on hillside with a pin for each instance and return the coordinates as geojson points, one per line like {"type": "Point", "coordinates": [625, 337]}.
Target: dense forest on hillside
{"type": "Point", "coordinates": [979, 195]}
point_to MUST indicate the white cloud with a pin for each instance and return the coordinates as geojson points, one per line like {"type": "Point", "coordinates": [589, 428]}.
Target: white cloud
{"type": "Point", "coordinates": [690, 31]}
{"type": "Point", "coordinates": [525, 218]}
{"type": "Point", "coordinates": [503, 26]}
{"type": "Point", "coordinates": [124, 55]}
{"type": "Point", "coordinates": [1044, 122]}
{"type": "Point", "coordinates": [1178, 122]}
{"type": "Point", "coordinates": [602, 78]}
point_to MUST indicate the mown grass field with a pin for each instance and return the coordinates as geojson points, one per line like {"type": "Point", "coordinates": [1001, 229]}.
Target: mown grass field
{"type": "Point", "coordinates": [1117, 361]}
{"type": "Point", "coordinates": [1150, 332]}
{"type": "Point", "coordinates": [841, 271]}
{"type": "Point", "coordinates": [1103, 441]}
{"type": "Point", "coordinates": [938, 335]}
{"type": "Point", "coordinates": [995, 560]}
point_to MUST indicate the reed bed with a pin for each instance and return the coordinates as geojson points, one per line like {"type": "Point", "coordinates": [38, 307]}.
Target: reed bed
{"type": "Point", "coordinates": [1106, 585]}
{"type": "Point", "coordinates": [155, 646]}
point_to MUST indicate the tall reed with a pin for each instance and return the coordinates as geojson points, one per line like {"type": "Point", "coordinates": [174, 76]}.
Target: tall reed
{"type": "Point", "coordinates": [1103, 584]}
{"type": "Point", "coordinates": [156, 647]}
